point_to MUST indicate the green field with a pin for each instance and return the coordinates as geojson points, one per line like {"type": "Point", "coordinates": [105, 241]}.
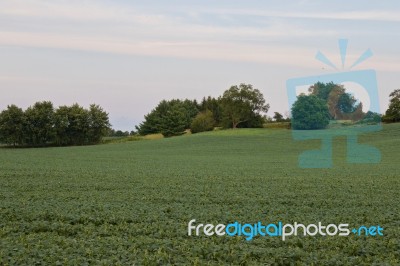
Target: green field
{"type": "Point", "coordinates": [130, 203]}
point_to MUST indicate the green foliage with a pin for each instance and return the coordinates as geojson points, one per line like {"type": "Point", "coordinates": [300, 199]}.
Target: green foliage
{"type": "Point", "coordinates": [238, 107]}
{"type": "Point", "coordinates": [341, 105]}
{"type": "Point", "coordinates": [118, 133]}
{"type": "Point", "coordinates": [309, 112]}
{"type": "Point", "coordinates": [327, 101]}
{"type": "Point", "coordinates": [72, 125]}
{"type": "Point", "coordinates": [203, 122]}
{"type": "Point", "coordinates": [41, 125]}
{"type": "Point", "coordinates": [256, 121]}
{"type": "Point", "coordinates": [371, 118]}
{"type": "Point", "coordinates": [213, 105]}
{"type": "Point", "coordinates": [242, 103]}
{"type": "Point", "coordinates": [393, 112]}
{"type": "Point", "coordinates": [278, 117]}
{"type": "Point", "coordinates": [160, 118]}
{"type": "Point", "coordinates": [129, 203]}
{"type": "Point", "coordinates": [174, 121]}
{"type": "Point", "coordinates": [12, 123]}
{"type": "Point", "coordinates": [323, 90]}
{"type": "Point", "coordinates": [98, 123]}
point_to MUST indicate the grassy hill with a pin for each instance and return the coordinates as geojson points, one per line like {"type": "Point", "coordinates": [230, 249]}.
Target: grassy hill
{"type": "Point", "coordinates": [131, 202]}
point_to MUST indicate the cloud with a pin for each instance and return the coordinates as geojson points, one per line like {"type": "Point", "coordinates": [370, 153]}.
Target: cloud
{"type": "Point", "coordinates": [181, 49]}
{"type": "Point", "coordinates": [125, 30]}
{"type": "Point", "coordinates": [366, 15]}
{"type": "Point", "coordinates": [113, 28]}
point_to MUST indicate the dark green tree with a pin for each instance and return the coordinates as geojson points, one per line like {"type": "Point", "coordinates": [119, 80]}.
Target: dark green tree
{"type": "Point", "coordinates": [62, 126]}
{"type": "Point", "coordinates": [213, 105]}
{"type": "Point", "coordinates": [393, 112]}
{"type": "Point", "coordinates": [242, 103]}
{"type": "Point", "coordinates": [191, 110]}
{"type": "Point", "coordinates": [155, 121]}
{"type": "Point", "coordinates": [309, 112]}
{"type": "Point", "coordinates": [152, 121]}
{"type": "Point", "coordinates": [72, 124]}
{"type": "Point", "coordinates": [79, 125]}
{"type": "Point", "coordinates": [12, 122]}
{"type": "Point", "coordinates": [204, 121]}
{"type": "Point", "coordinates": [99, 124]}
{"type": "Point", "coordinates": [39, 124]}
{"type": "Point", "coordinates": [278, 117]}
{"type": "Point", "coordinates": [174, 121]}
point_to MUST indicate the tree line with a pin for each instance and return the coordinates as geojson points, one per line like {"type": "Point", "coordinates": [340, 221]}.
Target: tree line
{"type": "Point", "coordinates": [245, 106]}
{"type": "Point", "coordinates": [41, 125]}
{"type": "Point", "coordinates": [239, 106]}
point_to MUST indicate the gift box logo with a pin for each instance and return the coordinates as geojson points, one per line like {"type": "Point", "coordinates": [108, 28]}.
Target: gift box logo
{"type": "Point", "coordinates": [365, 81]}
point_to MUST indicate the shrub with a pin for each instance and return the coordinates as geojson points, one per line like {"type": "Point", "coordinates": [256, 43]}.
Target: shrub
{"type": "Point", "coordinates": [203, 122]}
{"type": "Point", "coordinates": [309, 112]}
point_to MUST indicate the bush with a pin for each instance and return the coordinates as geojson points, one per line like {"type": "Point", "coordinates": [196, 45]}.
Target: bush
{"type": "Point", "coordinates": [203, 122]}
{"type": "Point", "coordinates": [309, 112]}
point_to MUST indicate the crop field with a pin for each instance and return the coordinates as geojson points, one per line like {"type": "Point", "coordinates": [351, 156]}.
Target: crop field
{"type": "Point", "coordinates": [130, 203]}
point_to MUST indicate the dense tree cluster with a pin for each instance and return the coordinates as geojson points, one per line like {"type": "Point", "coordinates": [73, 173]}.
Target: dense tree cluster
{"type": "Point", "coordinates": [328, 101]}
{"type": "Point", "coordinates": [171, 118]}
{"type": "Point", "coordinates": [341, 105]}
{"type": "Point", "coordinates": [239, 106]}
{"type": "Point", "coordinates": [42, 124]}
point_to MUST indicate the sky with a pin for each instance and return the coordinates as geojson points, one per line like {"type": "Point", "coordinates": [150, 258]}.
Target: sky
{"type": "Point", "coordinates": [126, 56]}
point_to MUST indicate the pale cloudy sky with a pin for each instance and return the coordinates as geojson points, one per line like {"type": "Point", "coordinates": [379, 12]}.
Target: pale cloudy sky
{"type": "Point", "coordinates": [128, 55]}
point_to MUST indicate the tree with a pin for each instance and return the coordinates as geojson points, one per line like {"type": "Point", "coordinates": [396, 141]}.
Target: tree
{"type": "Point", "coordinates": [152, 121]}
{"type": "Point", "coordinates": [72, 125]}
{"type": "Point", "coordinates": [255, 121]}
{"type": "Point", "coordinates": [241, 104]}
{"type": "Point", "coordinates": [174, 122]}
{"type": "Point", "coordinates": [191, 110]}
{"type": "Point", "coordinates": [204, 121]}
{"type": "Point", "coordinates": [309, 112]}
{"type": "Point", "coordinates": [213, 105]}
{"type": "Point", "coordinates": [341, 105]}
{"type": "Point", "coordinates": [62, 125]}
{"type": "Point", "coordinates": [323, 90]}
{"type": "Point", "coordinates": [12, 122]}
{"type": "Point", "coordinates": [155, 121]}
{"type": "Point", "coordinates": [278, 117]}
{"type": "Point", "coordinates": [39, 126]}
{"type": "Point", "coordinates": [371, 118]}
{"type": "Point", "coordinates": [98, 124]}
{"type": "Point", "coordinates": [393, 112]}
{"type": "Point", "coordinates": [78, 125]}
